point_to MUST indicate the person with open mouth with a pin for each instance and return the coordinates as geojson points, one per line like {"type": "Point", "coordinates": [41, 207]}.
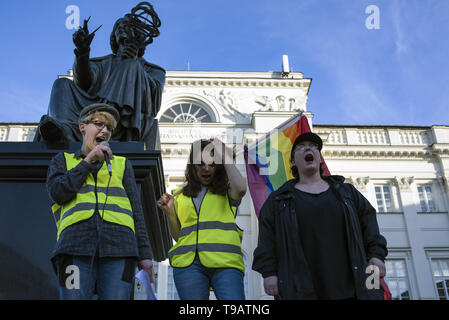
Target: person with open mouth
{"type": "Point", "coordinates": [318, 237]}
{"type": "Point", "coordinates": [101, 231]}
{"type": "Point", "coordinates": [202, 213]}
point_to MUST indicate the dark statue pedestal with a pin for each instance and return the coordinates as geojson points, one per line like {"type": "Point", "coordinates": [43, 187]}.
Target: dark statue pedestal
{"type": "Point", "coordinates": [27, 227]}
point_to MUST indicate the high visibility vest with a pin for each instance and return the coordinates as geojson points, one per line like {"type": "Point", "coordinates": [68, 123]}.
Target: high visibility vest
{"type": "Point", "coordinates": [212, 233]}
{"type": "Point", "coordinates": [92, 195]}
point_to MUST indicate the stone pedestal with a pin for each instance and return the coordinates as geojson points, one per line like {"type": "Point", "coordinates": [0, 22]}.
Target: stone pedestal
{"type": "Point", "coordinates": [28, 230]}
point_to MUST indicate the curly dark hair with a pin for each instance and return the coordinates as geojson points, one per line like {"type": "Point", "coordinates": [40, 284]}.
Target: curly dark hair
{"type": "Point", "coordinates": [219, 184]}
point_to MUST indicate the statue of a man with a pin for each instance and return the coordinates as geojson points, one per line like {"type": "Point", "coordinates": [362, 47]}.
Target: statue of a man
{"type": "Point", "coordinates": [122, 79]}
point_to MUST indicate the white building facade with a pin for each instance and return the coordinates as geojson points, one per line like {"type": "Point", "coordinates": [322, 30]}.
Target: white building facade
{"type": "Point", "coordinates": [402, 170]}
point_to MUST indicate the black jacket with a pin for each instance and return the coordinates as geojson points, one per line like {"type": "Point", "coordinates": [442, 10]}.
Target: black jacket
{"type": "Point", "coordinates": [279, 251]}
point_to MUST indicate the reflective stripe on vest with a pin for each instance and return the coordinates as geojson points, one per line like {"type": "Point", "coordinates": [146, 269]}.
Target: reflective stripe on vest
{"type": "Point", "coordinates": [213, 233]}
{"type": "Point", "coordinates": [118, 207]}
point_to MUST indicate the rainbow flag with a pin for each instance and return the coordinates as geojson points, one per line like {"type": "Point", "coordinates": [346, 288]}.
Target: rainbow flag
{"type": "Point", "coordinates": [387, 293]}
{"type": "Point", "coordinates": [268, 160]}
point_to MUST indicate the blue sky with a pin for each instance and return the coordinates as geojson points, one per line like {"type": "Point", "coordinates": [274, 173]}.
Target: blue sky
{"type": "Point", "coordinates": [395, 75]}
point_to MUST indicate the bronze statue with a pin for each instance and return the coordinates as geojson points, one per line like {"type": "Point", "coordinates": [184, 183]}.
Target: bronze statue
{"type": "Point", "coordinates": [122, 79]}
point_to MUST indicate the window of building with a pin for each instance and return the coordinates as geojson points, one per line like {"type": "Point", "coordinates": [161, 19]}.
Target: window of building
{"type": "Point", "coordinates": [186, 113]}
{"type": "Point", "coordinates": [397, 279]}
{"type": "Point", "coordinates": [172, 293]}
{"type": "Point", "coordinates": [155, 276]}
{"type": "Point", "coordinates": [3, 134]}
{"type": "Point", "coordinates": [245, 278]}
{"type": "Point", "coordinates": [440, 270]}
{"type": "Point", "coordinates": [426, 199]}
{"type": "Point", "coordinates": [28, 134]}
{"type": "Point", "coordinates": [383, 198]}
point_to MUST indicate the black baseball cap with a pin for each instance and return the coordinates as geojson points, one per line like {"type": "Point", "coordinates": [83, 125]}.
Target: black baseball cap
{"type": "Point", "coordinates": [308, 136]}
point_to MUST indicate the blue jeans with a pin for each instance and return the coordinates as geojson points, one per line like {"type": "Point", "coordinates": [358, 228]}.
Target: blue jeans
{"type": "Point", "coordinates": [194, 282]}
{"type": "Point", "coordinates": [111, 277]}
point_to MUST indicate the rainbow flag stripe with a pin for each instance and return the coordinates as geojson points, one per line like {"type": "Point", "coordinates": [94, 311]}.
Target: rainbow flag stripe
{"type": "Point", "coordinates": [268, 160]}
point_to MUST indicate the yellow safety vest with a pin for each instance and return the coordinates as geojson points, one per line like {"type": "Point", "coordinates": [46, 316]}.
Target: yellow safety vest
{"type": "Point", "coordinates": [117, 209]}
{"type": "Point", "coordinates": [212, 233]}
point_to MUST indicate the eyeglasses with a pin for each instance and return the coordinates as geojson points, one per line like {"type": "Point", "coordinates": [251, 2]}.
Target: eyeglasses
{"type": "Point", "coordinates": [100, 125]}
{"type": "Point", "coordinates": [302, 147]}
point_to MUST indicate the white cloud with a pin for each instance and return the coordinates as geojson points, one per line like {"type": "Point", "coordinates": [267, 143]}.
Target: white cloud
{"type": "Point", "coordinates": [398, 8]}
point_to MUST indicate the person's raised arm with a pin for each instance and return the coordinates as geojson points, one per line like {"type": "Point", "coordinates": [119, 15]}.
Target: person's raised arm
{"type": "Point", "coordinates": [236, 181]}
{"type": "Point", "coordinates": [81, 69]}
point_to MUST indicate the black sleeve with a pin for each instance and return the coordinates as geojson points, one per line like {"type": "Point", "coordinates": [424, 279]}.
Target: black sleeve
{"type": "Point", "coordinates": [375, 244]}
{"type": "Point", "coordinates": [264, 260]}
{"type": "Point", "coordinates": [129, 183]}
{"type": "Point", "coordinates": [63, 185]}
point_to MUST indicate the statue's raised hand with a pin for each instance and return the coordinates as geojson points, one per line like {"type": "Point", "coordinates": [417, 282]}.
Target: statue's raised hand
{"type": "Point", "coordinates": [82, 39]}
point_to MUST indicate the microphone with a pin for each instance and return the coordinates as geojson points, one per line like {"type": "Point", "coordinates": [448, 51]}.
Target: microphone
{"type": "Point", "coordinates": [106, 158]}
